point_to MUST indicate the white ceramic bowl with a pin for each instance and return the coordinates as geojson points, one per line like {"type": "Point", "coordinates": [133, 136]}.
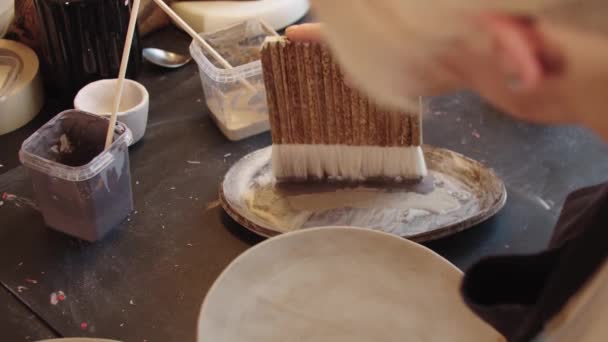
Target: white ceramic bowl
{"type": "Point", "coordinates": [97, 98]}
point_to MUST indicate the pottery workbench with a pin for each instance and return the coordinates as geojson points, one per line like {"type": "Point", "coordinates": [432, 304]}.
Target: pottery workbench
{"type": "Point", "coordinates": [147, 279]}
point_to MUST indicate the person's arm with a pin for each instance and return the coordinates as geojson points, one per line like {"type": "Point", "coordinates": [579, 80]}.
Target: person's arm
{"type": "Point", "coordinates": [536, 71]}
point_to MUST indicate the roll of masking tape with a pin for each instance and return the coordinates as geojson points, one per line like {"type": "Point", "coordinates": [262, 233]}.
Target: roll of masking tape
{"type": "Point", "coordinates": [21, 91]}
{"type": "Point", "coordinates": [7, 9]}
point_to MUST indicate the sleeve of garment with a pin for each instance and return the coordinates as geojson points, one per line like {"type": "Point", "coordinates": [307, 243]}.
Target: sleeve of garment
{"type": "Point", "coordinates": [518, 295]}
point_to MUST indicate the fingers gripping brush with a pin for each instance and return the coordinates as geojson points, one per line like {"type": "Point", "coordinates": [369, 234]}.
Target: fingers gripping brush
{"type": "Point", "coordinates": [323, 129]}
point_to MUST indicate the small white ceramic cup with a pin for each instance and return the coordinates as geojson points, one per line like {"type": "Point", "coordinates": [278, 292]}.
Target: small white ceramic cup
{"type": "Point", "coordinates": [97, 98]}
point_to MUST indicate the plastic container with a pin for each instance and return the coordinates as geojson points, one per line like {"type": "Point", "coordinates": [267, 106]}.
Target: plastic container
{"type": "Point", "coordinates": [81, 189]}
{"type": "Point", "coordinates": [238, 111]}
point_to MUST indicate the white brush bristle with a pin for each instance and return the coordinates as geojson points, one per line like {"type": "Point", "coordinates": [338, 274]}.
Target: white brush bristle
{"type": "Point", "coordinates": [274, 39]}
{"type": "Point", "coordinates": [343, 162]}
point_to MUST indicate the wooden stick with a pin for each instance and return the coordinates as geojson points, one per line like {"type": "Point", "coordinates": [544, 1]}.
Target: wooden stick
{"type": "Point", "coordinates": [200, 40]}
{"type": "Point", "coordinates": [268, 28]}
{"type": "Point", "coordinates": [417, 131]}
{"type": "Point", "coordinates": [126, 51]}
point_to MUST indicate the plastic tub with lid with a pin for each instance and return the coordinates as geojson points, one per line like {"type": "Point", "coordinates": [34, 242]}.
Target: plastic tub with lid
{"type": "Point", "coordinates": [80, 188]}
{"type": "Point", "coordinates": [238, 111]}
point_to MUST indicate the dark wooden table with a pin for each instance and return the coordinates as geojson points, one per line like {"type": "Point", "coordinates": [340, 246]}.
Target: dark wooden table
{"type": "Point", "coordinates": [146, 281]}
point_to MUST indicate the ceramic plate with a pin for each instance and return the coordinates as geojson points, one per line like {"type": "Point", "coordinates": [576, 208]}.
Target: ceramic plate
{"type": "Point", "coordinates": [78, 339]}
{"type": "Point", "coordinates": [339, 285]}
{"type": "Point", "coordinates": [458, 193]}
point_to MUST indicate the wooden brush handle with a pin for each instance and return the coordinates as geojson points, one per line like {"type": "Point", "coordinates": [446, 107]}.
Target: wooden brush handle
{"type": "Point", "coordinates": [309, 102]}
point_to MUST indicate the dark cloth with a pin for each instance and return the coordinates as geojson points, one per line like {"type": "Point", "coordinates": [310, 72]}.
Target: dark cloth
{"type": "Point", "coordinates": [518, 295]}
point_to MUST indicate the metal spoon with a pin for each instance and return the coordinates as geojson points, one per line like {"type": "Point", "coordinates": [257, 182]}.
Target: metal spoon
{"type": "Point", "coordinates": [164, 58]}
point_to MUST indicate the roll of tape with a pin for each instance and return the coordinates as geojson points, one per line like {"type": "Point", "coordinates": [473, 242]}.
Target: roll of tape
{"type": "Point", "coordinates": [7, 9]}
{"type": "Point", "coordinates": [25, 98]}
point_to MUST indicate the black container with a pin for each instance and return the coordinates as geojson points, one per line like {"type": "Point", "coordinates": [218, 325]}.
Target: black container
{"type": "Point", "coordinates": [82, 42]}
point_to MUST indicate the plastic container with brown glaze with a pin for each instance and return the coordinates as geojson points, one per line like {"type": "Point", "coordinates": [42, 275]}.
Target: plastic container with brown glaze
{"type": "Point", "coordinates": [81, 189]}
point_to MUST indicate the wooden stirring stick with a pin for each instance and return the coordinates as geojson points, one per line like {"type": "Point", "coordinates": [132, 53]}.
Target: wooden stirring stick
{"type": "Point", "coordinates": [268, 27]}
{"type": "Point", "coordinates": [200, 40]}
{"type": "Point", "coordinates": [122, 72]}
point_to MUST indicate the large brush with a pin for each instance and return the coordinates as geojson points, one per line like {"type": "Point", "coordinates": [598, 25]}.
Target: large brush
{"type": "Point", "coordinates": [323, 129]}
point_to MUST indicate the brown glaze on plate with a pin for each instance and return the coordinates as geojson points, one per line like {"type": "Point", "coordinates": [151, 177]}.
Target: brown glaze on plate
{"type": "Point", "coordinates": [458, 194]}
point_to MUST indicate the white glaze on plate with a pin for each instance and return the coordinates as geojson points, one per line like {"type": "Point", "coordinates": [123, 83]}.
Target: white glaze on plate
{"type": "Point", "coordinates": [458, 195]}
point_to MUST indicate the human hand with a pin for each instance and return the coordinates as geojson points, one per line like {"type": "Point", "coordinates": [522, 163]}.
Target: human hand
{"type": "Point", "coordinates": [537, 71]}
{"type": "Point", "coordinates": [495, 76]}
{"type": "Point", "coordinates": [313, 32]}
{"type": "Point", "coordinates": [527, 73]}
{"type": "Point", "coordinates": [305, 32]}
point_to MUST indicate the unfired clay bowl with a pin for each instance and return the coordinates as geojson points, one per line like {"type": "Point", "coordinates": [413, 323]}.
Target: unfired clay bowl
{"type": "Point", "coordinates": [340, 285]}
{"type": "Point", "coordinates": [97, 98]}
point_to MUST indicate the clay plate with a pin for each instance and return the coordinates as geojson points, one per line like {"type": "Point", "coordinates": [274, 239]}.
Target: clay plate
{"type": "Point", "coordinates": [78, 339]}
{"type": "Point", "coordinates": [341, 285]}
{"type": "Point", "coordinates": [458, 194]}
